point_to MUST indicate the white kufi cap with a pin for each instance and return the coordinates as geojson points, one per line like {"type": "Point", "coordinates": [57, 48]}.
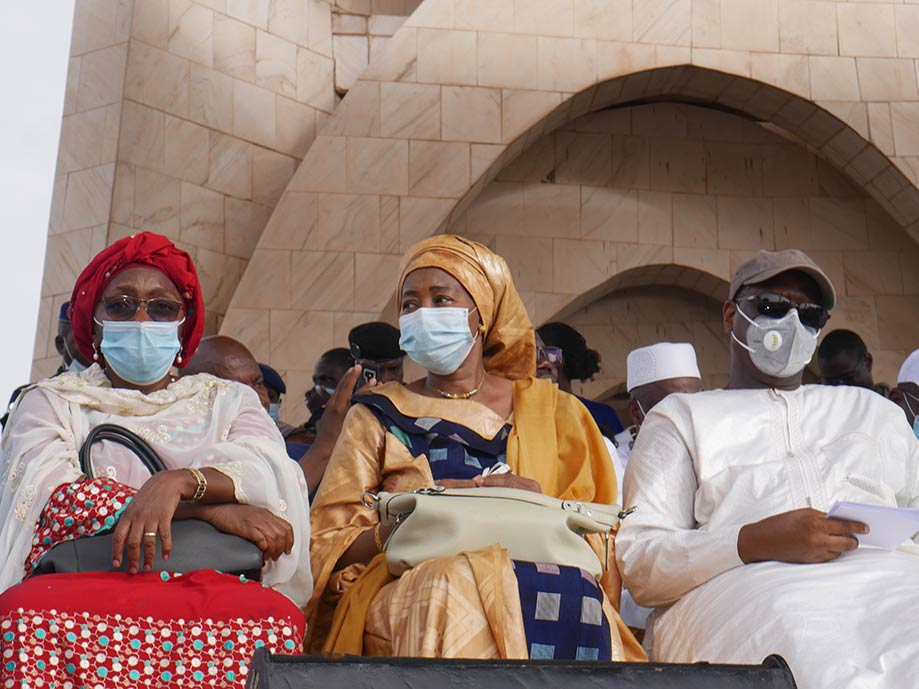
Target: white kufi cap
{"type": "Point", "coordinates": [909, 371]}
{"type": "Point", "coordinates": [661, 361]}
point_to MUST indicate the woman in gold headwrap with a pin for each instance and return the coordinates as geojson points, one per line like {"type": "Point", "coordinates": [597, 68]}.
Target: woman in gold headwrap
{"type": "Point", "coordinates": [479, 404]}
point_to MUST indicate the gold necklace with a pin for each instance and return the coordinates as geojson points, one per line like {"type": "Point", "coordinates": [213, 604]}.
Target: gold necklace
{"type": "Point", "coordinates": [459, 395]}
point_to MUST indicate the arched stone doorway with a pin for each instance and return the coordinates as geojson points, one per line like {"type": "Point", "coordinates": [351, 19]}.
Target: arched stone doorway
{"type": "Point", "coordinates": [402, 159]}
{"type": "Point", "coordinates": [648, 304]}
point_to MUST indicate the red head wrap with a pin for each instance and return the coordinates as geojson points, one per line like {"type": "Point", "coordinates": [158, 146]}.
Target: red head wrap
{"type": "Point", "coordinates": [141, 249]}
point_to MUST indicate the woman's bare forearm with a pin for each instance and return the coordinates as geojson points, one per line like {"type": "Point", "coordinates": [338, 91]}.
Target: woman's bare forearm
{"type": "Point", "coordinates": [364, 548]}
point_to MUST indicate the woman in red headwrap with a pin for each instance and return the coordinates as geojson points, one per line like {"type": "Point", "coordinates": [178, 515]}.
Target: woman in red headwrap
{"type": "Point", "coordinates": [136, 312]}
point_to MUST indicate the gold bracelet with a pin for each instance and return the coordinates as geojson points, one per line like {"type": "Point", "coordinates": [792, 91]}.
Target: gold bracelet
{"type": "Point", "coordinates": [201, 488]}
{"type": "Point", "coordinates": [376, 536]}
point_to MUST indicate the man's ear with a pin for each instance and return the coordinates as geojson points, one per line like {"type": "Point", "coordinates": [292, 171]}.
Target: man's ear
{"type": "Point", "coordinates": [728, 311]}
{"type": "Point", "coordinates": [59, 344]}
{"type": "Point", "coordinates": [635, 412]}
{"type": "Point", "coordinates": [869, 361]}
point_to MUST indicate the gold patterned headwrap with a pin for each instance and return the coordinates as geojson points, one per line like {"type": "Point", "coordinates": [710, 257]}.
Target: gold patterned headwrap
{"type": "Point", "coordinates": [509, 346]}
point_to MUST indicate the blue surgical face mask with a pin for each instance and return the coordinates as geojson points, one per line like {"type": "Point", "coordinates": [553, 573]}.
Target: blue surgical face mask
{"type": "Point", "coordinates": [915, 416]}
{"type": "Point", "coordinates": [75, 367]}
{"type": "Point", "coordinates": [437, 338]}
{"type": "Point", "coordinates": [274, 411]}
{"type": "Point", "coordinates": [140, 352]}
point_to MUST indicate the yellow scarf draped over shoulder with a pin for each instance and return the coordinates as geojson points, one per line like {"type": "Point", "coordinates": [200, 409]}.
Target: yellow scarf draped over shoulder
{"type": "Point", "coordinates": [555, 442]}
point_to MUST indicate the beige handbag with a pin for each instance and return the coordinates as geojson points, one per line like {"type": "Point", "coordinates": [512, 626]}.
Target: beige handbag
{"type": "Point", "coordinates": [438, 522]}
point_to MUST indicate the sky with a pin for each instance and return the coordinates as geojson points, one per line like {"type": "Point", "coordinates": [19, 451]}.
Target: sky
{"type": "Point", "coordinates": [34, 51]}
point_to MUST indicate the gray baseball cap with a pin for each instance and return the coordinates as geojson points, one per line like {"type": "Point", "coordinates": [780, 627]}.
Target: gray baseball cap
{"type": "Point", "coordinates": [768, 264]}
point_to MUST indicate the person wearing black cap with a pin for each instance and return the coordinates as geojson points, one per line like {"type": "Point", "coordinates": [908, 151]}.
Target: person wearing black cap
{"type": "Point", "coordinates": [276, 388]}
{"type": "Point", "coordinates": [735, 490]}
{"type": "Point", "coordinates": [70, 354]}
{"type": "Point", "coordinates": [375, 346]}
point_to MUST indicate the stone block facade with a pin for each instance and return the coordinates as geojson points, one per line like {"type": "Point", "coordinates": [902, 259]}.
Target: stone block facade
{"type": "Point", "coordinates": [600, 145]}
{"type": "Point", "coordinates": [618, 191]}
{"type": "Point", "coordinates": [184, 118]}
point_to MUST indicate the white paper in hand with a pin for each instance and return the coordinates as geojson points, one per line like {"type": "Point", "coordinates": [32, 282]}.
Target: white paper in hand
{"type": "Point", "coordinates": [889, 526]}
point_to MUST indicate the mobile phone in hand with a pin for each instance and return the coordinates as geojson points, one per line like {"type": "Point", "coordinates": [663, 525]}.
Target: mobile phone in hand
{"type": "Point", "coordinates": [368, 373]}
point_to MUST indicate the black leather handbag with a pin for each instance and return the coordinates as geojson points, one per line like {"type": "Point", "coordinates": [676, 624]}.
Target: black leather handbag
{"type": "Point", "coordinates": [195, 543]}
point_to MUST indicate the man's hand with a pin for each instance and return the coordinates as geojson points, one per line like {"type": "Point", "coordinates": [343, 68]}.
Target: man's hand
{"type": "Point", "coordinates": [508, 480]}
{"type": "Point", "coordinates": [456, 483]}
{"type": "Point", "coordinates": [329, 427]}
{"type": "Point", "coordinates": [273, 536]}
{"type": "Point", "coordinates": [804, 536]}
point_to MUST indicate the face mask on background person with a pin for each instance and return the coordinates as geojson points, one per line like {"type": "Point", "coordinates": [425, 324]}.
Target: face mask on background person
{"type": "Point", "coordinates": [75, 366]}
{"type": "Point", "coordinates": [779, 347]}
{"type": "Point", "coordinates": [317, 397]}
{"type": "Point", "coordinates": [274, 411]}
{"type": "Point", "coordinates": [906, 397]}
{"type": "Point", "coordinates": [324, 392]}
{"type": "Point", "coordinates": [437, 338]}
{"type": "Point", "coordinates": [140, 352]}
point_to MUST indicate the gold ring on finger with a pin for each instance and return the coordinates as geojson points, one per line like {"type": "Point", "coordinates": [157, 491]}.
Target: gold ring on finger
{"type": "Point", "coordinates": [150, 534]}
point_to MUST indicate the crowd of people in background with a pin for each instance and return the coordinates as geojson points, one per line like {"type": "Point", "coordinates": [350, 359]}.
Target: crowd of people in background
{"type": "Point", "coordinates": [732, 486]}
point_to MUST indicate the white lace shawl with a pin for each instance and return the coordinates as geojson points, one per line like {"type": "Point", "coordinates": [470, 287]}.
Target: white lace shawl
{"type": "Point", "coordinates": [199, 421]}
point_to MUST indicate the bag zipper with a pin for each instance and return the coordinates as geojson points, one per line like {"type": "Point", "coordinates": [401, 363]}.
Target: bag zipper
{"type": "Point", "coordinates": [567, 505]}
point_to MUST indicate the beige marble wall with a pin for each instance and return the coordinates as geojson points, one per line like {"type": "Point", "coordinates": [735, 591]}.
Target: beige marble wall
{"type": "Point", "coordinates": [448, 101]}
{"type": "Point", "coordinates": [464, 87]}
{"type": "Point", "coordinates": [186, 118]}
{"type": "Point", "coordinates": [87, 155]}
{"type": "Point", "coordinates": [696, 187]}
{"type": "Point", "coordinates": [361, 30]}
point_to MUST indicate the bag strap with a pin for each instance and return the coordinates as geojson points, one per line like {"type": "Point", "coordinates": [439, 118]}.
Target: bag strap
{"type": "Point", "coordinates": [125, 438]}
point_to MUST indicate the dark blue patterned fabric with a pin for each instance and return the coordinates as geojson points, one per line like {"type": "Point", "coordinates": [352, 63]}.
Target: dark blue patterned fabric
{"type": "Point", "coordinates": [562, 606]}
{"type": "Point", "coordinates": [452, 450]}
{"type": "Point", "coordinates": [562, 613]}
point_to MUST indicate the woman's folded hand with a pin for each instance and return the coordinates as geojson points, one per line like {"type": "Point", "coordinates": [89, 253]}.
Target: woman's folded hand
{"type": "Point", "coordinates": [149, 516]}
{"type": "Point", "coordinates": [273, 536]}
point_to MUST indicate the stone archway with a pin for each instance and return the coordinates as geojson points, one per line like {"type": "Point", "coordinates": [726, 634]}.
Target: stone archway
{"type": "Point", "coordinates": [648, 304]}
{"type": "Point", "coordinates": [425, 129]}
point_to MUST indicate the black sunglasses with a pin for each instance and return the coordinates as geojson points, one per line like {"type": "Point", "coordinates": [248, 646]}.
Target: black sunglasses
{"type": "Point", "coordinates": [777, 306]}
{"type": "Point", "coordinates": [123, 308]}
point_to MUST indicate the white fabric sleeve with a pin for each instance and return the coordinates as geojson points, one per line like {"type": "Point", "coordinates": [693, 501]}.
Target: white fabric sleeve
{"type": "Point", "coordinates": [253, 455]}
{"type": "Point", "coordinates": [904, 447]}
{"type": "Point", "coordinates": [38, 453]}
{"type": "Point", "coordinates": [661, 551]}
